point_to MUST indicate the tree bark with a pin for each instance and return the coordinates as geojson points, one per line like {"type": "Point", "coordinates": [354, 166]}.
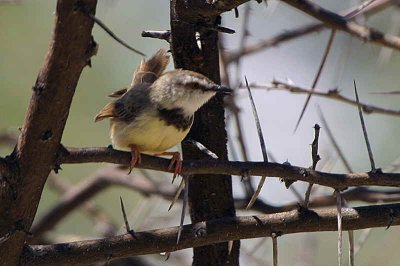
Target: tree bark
{"type": "Point", "coordinates": [210, 197]}
{"type": "Point", "coordinates": [35, 154]}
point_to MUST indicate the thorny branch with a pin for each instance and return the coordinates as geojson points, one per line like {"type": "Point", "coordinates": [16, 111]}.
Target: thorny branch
{"type": "Point", "coordinates": [212, 231]}
{"type": "Point", "coordinates": [333, 94]}
{"type": "Point", "coordinates": [284, 171]}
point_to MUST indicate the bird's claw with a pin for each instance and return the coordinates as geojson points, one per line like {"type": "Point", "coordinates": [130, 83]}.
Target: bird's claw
{"type": "Point", "coordinates": [176, 159]}
{"type": "Point", "coordinates": [135, 158]}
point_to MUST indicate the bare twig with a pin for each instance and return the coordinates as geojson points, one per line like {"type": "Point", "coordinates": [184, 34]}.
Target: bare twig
{"type": "Point", "coordinates": [201, 148]}
{"type": "Point", "coordinates": [364, 129]}
{"type": "Point", "coordinates": [212, 231]}
{"type": "Point", "coordinates": [162, 35]}
{"type": "Point", "coordinates": [289, 35]}
{"type": "Point", "coordinates": [318, 75]}
{"type": "Point", "coordinates": [315, 158]}
{"type": "Point", "coordinates": [273, 41]}
{"type": "Point", "coordinates": [108, 30]}
{"type": "Point", "coordinates": [357, 10]}
{"type": "Point", "coordinates": [262, 144]}
{"type": "Point", "coordinates": [333, 94]}
{"type": "Point", "coordinates": [284, 171]}
{"type": "Point", "coordinates": [338, 22]}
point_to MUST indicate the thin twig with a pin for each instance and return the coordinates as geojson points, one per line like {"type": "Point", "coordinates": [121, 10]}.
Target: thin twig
{"type": "Point", "coordinates": [338, 22]}
{"type": "Point", "coordinates": [356, 11]}
{"type": "Point", "coordinates": [201, 148]}
{"type": "Point", "coordinates": [109, 31]}
{"type": "Point", "coordinates": [262, 144]}
{"type": "Point", "coordinates": [289, 35]}
{"type": "Point", "coordinates": [364, 129]}
{"type": "Point", "coordinates": [162, 35]}
{"type": "Point", "coordinates": [318, 75]}
{"type": "Point", "coordinates": [315, 158]}
{"type": "Point", "coordinates": [333, 94]}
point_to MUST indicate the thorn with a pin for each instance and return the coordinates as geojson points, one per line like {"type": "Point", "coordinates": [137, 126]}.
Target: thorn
{"type": "Point", "coordinates": [364, 129]}
{"type": "Point", "coordinates": [262, 144]}
{"type": "Point", "coordinates": [128, 228]}
{"type": "Point", "coordinates": [317, 76]}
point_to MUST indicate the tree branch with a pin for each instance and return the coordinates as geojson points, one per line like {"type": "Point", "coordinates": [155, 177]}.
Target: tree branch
{"type": "Point", "coordinates": [210, 232]}
{"type": "Point", "coordinates": [339, 22]}
{"type": "Point", "coordinates": [217, 167]}
{"type": "Point", "coordinates": [44, 124]}
{"type": "Point", "coordinates": [333, 94]}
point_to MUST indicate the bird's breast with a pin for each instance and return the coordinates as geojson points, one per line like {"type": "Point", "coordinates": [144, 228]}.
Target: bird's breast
{"type": "Point", "coordinates": [151, 134]}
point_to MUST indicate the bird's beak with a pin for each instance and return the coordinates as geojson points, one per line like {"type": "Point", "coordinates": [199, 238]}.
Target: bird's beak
{"type": "Point", "coordinates": [221, 89]}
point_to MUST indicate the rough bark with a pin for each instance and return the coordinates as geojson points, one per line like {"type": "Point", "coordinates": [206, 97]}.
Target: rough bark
{"type": "Point", "coordinates": [210, 197]}
{"type": "Point", "coordinates": [213, 231]}
{"type": "Point", "coordinates": [33, 158]}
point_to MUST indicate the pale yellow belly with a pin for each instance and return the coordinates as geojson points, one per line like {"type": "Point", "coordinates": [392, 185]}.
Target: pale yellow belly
{"type": "Point", "coordinates": [151, 135]}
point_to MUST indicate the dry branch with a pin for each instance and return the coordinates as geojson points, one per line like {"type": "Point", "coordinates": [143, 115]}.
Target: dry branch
{"type": "Point", "coordinates": [213, 231]}
{"type": "Point", "coordinates": [216, 167]}
{"type": "Point", "coordinates": [289, 35]}
{"type": "Point", "coordinates": [333, 94]}
{"type": "Point", "coordinates": [339, 22]}
{"type": "Point", "coordinates": [42, 130]}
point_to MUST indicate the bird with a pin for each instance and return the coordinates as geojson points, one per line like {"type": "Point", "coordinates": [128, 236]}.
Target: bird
{"type": "Point", "coordinates": [156, 111]}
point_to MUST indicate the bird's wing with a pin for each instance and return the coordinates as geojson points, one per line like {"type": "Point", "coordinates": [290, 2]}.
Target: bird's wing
{"type": "Point", "coordinates": [128, 106]}
{"type": "Point", "coordinates": [150, 70]}
{"type": "Point", "coordinates": [147, 72]}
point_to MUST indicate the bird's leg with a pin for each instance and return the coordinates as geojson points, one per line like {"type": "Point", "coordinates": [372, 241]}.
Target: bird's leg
{"type": "Point", "coordinates": [135, 157]}
{"type": "Point", "coordinates": [177, 160]}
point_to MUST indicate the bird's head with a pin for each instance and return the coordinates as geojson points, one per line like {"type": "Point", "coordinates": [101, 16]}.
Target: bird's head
{"type": "Point", "coordinates": [184, 89]}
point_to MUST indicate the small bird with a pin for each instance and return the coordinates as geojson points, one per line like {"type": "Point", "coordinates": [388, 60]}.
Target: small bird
{"type": "Point", "coordinates": [156, 112]}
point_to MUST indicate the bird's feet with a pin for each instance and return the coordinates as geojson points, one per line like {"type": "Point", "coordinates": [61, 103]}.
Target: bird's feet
{"type": "Point", "coordinates": [135, 157]}
{"type": "Point", "coordinates": [175, 160]}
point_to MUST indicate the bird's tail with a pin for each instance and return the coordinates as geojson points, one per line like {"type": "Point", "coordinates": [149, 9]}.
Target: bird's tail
{"type": "Point", "coordinates": [150, 70]}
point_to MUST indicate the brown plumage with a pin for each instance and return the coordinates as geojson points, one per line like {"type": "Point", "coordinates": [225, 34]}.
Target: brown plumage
{"type": "Point", "coordinates": [156, 112]}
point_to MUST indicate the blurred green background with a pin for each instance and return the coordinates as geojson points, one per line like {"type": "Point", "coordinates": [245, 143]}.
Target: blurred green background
{"type": "Point", "coordinates": [25, 32]}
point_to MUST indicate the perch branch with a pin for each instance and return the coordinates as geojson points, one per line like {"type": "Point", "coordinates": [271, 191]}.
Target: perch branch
{"type": "Point", "coordinates": [190, 167]}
